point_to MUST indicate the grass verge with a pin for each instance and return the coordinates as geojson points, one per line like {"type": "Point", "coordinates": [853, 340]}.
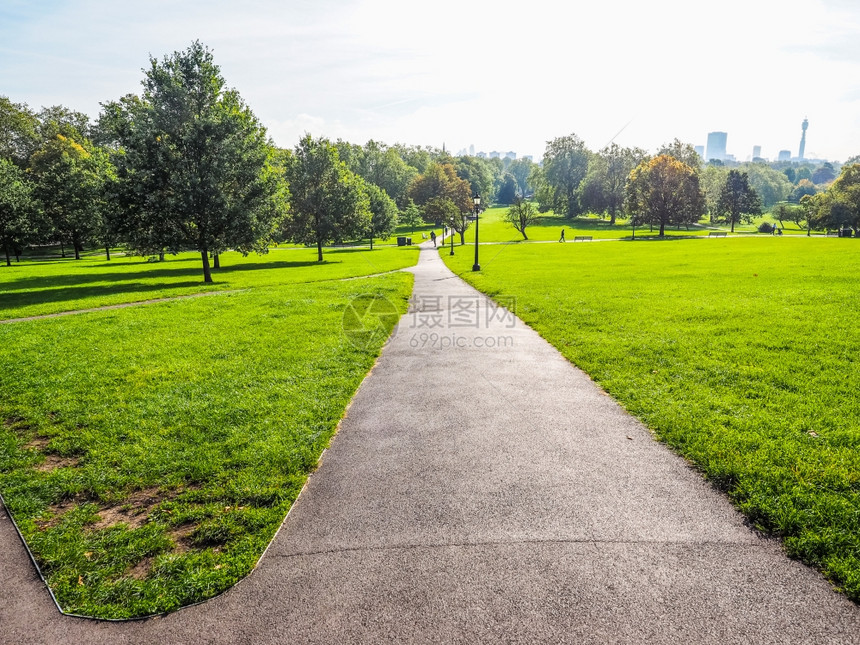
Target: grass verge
{"type": "Point", "coordinates": [741, 354]}
{"type": "Point", "coordinates": [38, 287]}
{"type": "Point", "coordinates": [150, 454]}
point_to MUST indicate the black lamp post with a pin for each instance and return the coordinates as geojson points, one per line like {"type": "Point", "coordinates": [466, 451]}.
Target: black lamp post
{"type": "Point", "coordinates": [477, 200]}
{"type": "Point", "coordinates": [451, 230]}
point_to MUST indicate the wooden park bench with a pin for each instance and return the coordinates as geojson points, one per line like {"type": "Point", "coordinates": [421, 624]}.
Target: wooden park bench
{"type": "Point", "coordinates": [582, 238]}
{"type": "Point", "coordinates": [717, 234]}
{"type": "Point", "coordinates": [832, 233]}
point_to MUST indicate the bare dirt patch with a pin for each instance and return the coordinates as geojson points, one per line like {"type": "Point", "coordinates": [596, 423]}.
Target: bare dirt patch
{"type": "Point", "coordinates": [181, 536]}
{"type": "Point", "coordinates": [141, 570]}
{"type": "Point", "coordinates": [37, 443]}
{"type": "Point", "coordinates": [52, 462]}
{"type": "Point", "coordinates": [133, 511]}
{"type": "Point", "coordinates": [57, 511]}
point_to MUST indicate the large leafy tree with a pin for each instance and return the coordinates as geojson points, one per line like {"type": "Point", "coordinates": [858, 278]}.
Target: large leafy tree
{"type": "Point", "coordinates": [683, 152]}
{"type": "Point", "coordinates": [606, 182]}
{"type": "Point", "coordinates": [478, 172]}
{"type": "Point", "coordinates": [69, 178]}
{"type": "Point", "coordinates": [196, 167]}
{"type": "Point", "coordinates": [19, 129]}
{"type": "Point", "coordinates": [712, 179]}
{"type": "Point", "coordinates": [440, 182]}
{"type": "Point", "coordinates": [565, 164]}
{"type": "Point", "coordinates": [664, 191]}
{"type": "Point", "coordinates": [508, 190]}
{"type": "Point", "coordinates": [328, 202]}
{"type": "Point", "coordinates": [839, 206]}
{"type": "Point", "coordinates": [522, 169]}
{"type": "Point", "coordinates": [379, 165]}
{"type": "Point", "coordinates": [411, 215]}
{"type": "Point", "coordinates": [738, 200]}
{"type": "Point", "coordinates": [383, 212]}
{"type": "Point", "coordinates": [444, 211]}
{"type": "Point", "coordinates": [15, 207]}
{"type": "Point", "coordinates": [771, 185]}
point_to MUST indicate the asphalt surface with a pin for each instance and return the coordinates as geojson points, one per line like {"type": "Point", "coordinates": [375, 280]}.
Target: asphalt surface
{"type": "Point", "coordinates": [481, 489]}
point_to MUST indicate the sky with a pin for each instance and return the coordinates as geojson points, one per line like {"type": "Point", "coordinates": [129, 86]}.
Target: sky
{"type": "Point", "coordinates": [495, 74]}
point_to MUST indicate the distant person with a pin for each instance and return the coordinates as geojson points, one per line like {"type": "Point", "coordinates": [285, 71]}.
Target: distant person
{"type": "Point", "coordinates": [433, 237]}
{"type": "Point", "coordinates": [561, 239]}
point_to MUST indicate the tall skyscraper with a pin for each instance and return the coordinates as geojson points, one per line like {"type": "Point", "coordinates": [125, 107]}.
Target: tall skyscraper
{"type": "Point", "coordinates": [803, 138]}
{"type": "Point", "coordinates": [756, 152]}
{"type": "Point", "coordinates": [700, 150]}
{"type": "Point", "coordinates": [784, 155]}
{"type": "Point", "coordinates": [716, 146]}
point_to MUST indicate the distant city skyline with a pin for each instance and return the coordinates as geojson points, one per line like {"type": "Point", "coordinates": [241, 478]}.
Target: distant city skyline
{"type": "Point", "coordinates": [401, 72]}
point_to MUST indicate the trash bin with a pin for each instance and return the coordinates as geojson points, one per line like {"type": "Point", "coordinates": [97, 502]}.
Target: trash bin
{"type": "Point", "coordinates": [408, 241]}
{"type": "Point", "coordinates": [401, 241]}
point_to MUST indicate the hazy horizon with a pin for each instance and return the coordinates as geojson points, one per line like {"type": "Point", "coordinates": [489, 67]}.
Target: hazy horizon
{"type": "Point", "coordinates": [499, 76]}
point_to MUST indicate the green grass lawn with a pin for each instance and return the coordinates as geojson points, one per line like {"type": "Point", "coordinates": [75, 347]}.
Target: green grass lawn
{"type": "Point", "coordinates": [741, 354]}
{"type": "Point", "coordinates": [149, 454]}
{"type": "Point", "coordinates": [36, 287]}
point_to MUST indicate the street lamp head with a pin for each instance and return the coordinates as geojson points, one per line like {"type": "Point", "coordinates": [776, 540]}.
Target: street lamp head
{"type": "Point", "coordinates": [477, 199]}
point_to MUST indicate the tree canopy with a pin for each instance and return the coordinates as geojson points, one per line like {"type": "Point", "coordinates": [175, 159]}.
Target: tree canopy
{"type": "Point", "coordinates": [440, 182]}
{"type": "Point", "coordinates": [15, 205]}
{"type": "Point", "coordinates": [604, 187]}
{"type": "Point", "coordinates": [664, 191]}
{"type": "Point", "coordinates": [328, 203]}
{"type": "Point", "coordinates": [69, 178]}
{"type": "Point", "coordinates": [565, 164]}
{"type": "Point", "coordinates": [738, 200]}
{"type": "Point", "coordinates": [195, 165]}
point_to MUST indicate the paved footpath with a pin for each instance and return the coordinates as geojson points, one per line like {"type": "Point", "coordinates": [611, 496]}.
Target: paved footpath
{"type": "Point", "coordinates": [485, 494]}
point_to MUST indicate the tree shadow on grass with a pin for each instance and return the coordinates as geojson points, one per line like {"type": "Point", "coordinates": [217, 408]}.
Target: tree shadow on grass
{"type": "Point", "coordinates": [9, 302]}
{"type": "Point", "coordinates": [120, 278]}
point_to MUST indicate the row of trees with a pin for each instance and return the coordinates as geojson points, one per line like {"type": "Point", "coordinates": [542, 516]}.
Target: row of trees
{"type": "Point", "coordinates": [186, 165]}
{"type": "Point", "coordinates": [667, 189]}
{"type": "Point", "coordinates": [836, 208]}
{"type": "Point", "coordinates": [673, 187]}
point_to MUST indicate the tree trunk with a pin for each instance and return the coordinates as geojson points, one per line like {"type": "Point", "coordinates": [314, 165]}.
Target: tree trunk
{"type": "Point", "coordinates": [462, 238]}
{"type": "Point", "coordinates": [662, 229]}
{"type": "Point", "coordinates": [107, 252]}
{"type": "Point", "coordinates": [319, 250]}
{"type": "Point", "coordinates": [733, 225]}
{"type": "Point", "coordinates": [161, 256]}
{"type": "Point", "coordinates": [207, 274]}
{"type": "Point", "coordinates": [612, 218]}
{"type": "Point", "coordinates": [8, 260]}
{"type": "Point", "coordinates": [62, 249]}
{"type": "Point", "coordinates": [217, 263]}
{"type": "Point", "coordinates": [371, 242]}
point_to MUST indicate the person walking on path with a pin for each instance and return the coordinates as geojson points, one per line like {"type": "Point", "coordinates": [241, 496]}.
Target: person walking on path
{"type": "Point", "coordinates": [433, 237]}
{"type": "Point", "coordinates": [561, 239]}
